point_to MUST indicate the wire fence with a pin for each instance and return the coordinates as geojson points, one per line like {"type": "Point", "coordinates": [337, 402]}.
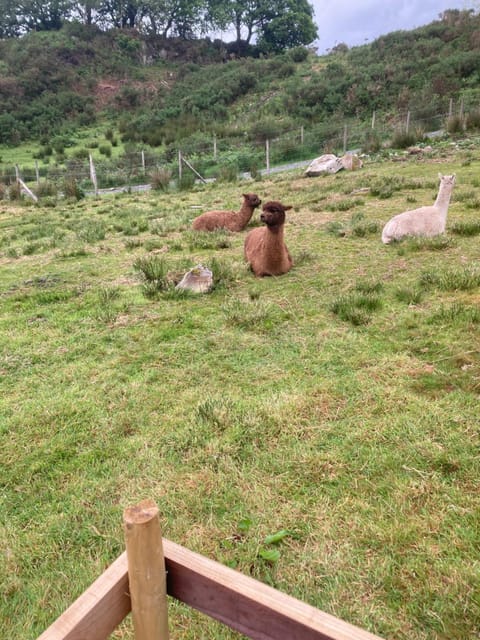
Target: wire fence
{"type": "Point", "coordinates": [209, 154]}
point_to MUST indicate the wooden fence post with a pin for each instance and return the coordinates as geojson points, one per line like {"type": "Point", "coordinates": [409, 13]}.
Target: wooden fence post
{"type": "Point", "coordinates": [214, 147]}
{"type": "Point", "coordinates": [407, 124]}
{"type": "Point", "coordinates": [345, 139]}
{"type": "Point", "coordinates": [267, 154]}
{"type": "Point", "coordinates": [93, 174]}
{"type": "Point", "coordinates": [179, 166]}
{"type": "Point", "coordinates": [146, 571]}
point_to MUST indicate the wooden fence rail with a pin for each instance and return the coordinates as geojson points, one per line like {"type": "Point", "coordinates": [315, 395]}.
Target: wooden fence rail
{"type": "Point", "coordinates": [238, 601]}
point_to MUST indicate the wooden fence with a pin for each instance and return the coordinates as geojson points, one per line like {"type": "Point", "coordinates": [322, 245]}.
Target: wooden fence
{"type": "Point", "coordinates": [152, 567]}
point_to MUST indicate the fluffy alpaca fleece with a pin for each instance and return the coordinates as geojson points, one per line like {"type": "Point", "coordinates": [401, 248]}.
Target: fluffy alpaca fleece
{"type": "Point", "coordinates": [231, 220]}
{"type": "Point", "coordinates": [264, 247]}
{"type": "Point", "coordinates": [424, 221]}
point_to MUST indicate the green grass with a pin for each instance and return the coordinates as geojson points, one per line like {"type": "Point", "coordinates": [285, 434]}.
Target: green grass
{"type": "Point", "coordinates": [249, 412]}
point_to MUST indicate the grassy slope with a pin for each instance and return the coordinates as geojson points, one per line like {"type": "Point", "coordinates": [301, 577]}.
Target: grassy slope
{"type": "Point", "coordinates": [255, 401]}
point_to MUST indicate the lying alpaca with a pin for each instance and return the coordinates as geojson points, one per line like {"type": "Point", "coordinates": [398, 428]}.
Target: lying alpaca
{"type": "Point", "coordinates": [424, 221]}
{"type": "Point", "coordinates": [232, 220]}
{"type": "Point", "coordinates": [264, 247]}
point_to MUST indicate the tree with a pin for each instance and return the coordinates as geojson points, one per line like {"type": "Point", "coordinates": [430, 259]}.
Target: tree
{"type": "Point", "coordinates": [121, 13]}
{"type": "Point", "coordinates": [276, 23]}
{"type": "Point", "coordinates": [38, 15]}
{"type": "Point", "coordinates": [86, 10]}
{"type": "Point", "coordinates": [293, 27]}
{"type": "Point", "coordinates": [178, 17]}
{"type": "Point", "coordinates": [9, 25]}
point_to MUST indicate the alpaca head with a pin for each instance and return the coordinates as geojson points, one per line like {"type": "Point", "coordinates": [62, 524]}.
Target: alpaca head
{"type": "Point", "coordinates": [252, 200]}
{"type": "Point", "coordinates": [450, 180]}
{"type": "Point", "coordinates": [273, 213]}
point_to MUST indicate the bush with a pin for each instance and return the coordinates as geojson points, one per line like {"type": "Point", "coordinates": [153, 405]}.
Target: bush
{"type": "Point", "coordinates": [105, 150]}
{"type": "Point", "coordinates": [45, 189]}
{"type": "Point", "coordinates": [186, 182]}
{"type": "Point", "coordinates": [160, 179]}
{"type": "Point", "coordinates": [71, 189]}
{"type": "Point", "coordinates": [228, 173]}
{"type": "Point", "coordinates": [372, 142]}
{"type": "Point", "coordinates": [404, 139]}
{"type": "Point", "coordinates": [472, 121]}
{"type": "Point", "coordinates": [455, 124]}
{"type": "Point", "coordinates": [298, 54]}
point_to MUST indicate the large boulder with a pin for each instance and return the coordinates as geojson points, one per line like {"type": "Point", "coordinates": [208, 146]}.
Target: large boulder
{"type": "Point", "coordinates": [199, 280]}
{"type": "Point", "coordinates": [351, 162]}
{"type": "Point", "coordinates": [328, 163]}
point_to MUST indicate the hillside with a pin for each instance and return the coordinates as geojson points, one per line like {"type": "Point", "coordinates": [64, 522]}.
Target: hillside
{"type": "Point", "coordinates": [159, 90]}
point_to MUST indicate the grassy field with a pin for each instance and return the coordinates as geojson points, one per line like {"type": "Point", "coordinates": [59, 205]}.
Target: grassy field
{"type": "Point", "coordinates": [338, 403]}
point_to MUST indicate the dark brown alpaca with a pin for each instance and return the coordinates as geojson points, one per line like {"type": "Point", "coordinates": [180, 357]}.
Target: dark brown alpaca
{"type": "Point", "coordinates": [264, 247]}
{"type": "Point", "coordinates": [231, 220]}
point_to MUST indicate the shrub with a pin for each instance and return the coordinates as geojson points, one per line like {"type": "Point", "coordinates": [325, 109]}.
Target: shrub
{"type": "Point", "coordinates": [45, 189]}
{"type": "Point", "coordinates": [15, 191]}
{"type": "Point", "coordinates": [455, 124]}
{"type": "Point", "coordinates": [472, 121]}
{"type": "Point", "coordinates": [404, 139]}
{"type": "Point", "coordinates": [105, 150]}
{"type": "Point", "coordinates": [228, 173]}
{"type": "Point", "coordinates": [160, 179]}
{"type": "Point", "coordinates": [71, 189]}
{"type": "Point", "coordinates": [372, 142]}
{"type": "Point", "coordinates": [298, 54]}
{"type": "Point", "coordinates": [186, 182]}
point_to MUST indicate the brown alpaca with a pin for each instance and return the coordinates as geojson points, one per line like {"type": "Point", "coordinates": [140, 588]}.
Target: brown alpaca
{"type": "Point", "coordinates": [231, 220]}
{"type": "Point", "coordinates": [264, 247]}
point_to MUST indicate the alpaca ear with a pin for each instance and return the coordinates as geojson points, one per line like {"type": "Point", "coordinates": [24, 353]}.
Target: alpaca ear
{"type": "Point", "coordinates": [288, 207]}
{"type": "Point", "coordinates": [440, 175]}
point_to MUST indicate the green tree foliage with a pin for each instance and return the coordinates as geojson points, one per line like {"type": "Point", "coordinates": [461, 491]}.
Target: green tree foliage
{"type": "Point", "coordinates": [292, 27]}
{"type": "Point", "coordinates": [269, 20]}
{"type": "Point", "coordinates": [41, 15]}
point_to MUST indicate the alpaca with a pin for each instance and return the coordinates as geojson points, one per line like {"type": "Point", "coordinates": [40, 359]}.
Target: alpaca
{"type": "Point", "coordinates": [424, 221]}
{"type": "Point", "coordinates": [231, 220]}
{"type": "Point", "coordinates": [264, 247]}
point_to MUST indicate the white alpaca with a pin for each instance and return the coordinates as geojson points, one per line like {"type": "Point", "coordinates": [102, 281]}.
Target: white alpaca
{"type": "Point", "coordinates": [424, 221]}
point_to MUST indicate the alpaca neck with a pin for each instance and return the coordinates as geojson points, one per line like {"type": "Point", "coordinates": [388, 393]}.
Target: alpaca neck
{"type": "Point", "coordinates": [245, 213]}
{"type": "Point", "coordinates": [443, 197]}
{"type": "Point", "coordinates": [274, 237]}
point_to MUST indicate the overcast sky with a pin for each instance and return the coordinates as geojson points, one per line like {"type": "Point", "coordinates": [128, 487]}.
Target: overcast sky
{"type": "Point", "coordinates": [356, 22]}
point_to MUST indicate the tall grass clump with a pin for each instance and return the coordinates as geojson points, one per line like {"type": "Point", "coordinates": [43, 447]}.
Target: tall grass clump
{"type": "Point", "coordinates": [466, 228]}
{"type": "Point", "coordinates": [217, 239]}
{"type": "Point", "coordinates": [252, 314]}
{"type": "Point", "coordinates": [357, 306]}
{"type": "Point", "coordinates": [456, 313]}
{"type": "Point", "coordinates": [223, 273]}
{"type": "Point", "coordinates": [71, 189]}
{"type": "Point", "coordinates": [409, 295]}
{"type": "Point", "coordinates": [106, 310]}
{"type": "Point", "coordinates": [154, 273]}
{"type": "Point", "coordinates": [457, 279]}
{"type": "Point", "coordinates": [423, 243]}
{"type": "Point", "coordinates": [160, 179]}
